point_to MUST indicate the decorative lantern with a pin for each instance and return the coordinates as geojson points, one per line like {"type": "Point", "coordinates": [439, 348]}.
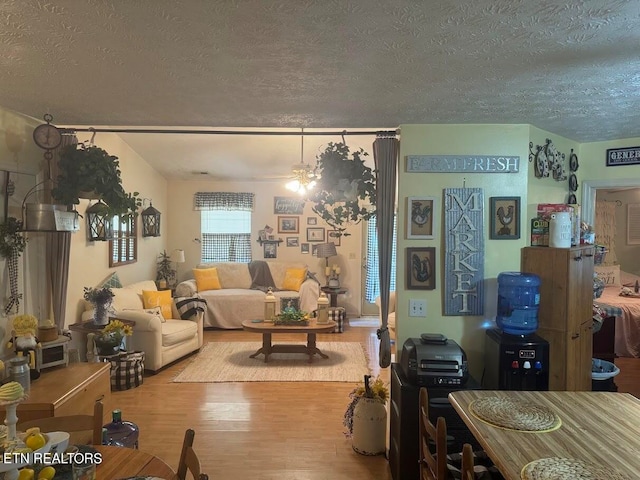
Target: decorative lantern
{"type": "Point", "coordinates": [269, 306]}
{"type": "Point", "coordinates": [150, 221]}
{"type": "Point", "coordinates": [99, 222]}
{"type": "Point", "coordinates": [323, 309]}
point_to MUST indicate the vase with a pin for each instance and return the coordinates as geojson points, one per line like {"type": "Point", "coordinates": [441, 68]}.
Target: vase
{"type": "Point", "coordinates": [101, 314]}
{"type": "Point", "coordinates": [108, 347]}
{"type": "Point", "coordinates": [369, 427]}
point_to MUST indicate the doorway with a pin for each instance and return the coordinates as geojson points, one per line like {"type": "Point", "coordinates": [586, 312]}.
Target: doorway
{"type": "Point", "coordinates": [370, 267]}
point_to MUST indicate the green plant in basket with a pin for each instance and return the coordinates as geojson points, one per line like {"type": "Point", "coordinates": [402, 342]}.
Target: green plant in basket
{"type": "Point", "coordinates": [292, 316]}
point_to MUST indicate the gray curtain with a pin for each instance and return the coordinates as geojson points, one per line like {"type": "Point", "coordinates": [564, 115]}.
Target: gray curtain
{"type": "Point", "coordinates": [58, 251]}
{"type": "Point", "coordinates": [385, 154]}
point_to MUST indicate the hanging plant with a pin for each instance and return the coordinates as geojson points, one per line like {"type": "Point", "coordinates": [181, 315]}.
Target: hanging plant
{"type": "Point", "coordinates": [12, 244]}
{"type": "Point", "coordinates": [87, 171]}
{"type": "Point", "coordinates": [346, 191]}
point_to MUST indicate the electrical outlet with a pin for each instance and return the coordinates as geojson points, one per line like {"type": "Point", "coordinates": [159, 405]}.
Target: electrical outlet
{"type": "Point", "coordinates": [417, 308]}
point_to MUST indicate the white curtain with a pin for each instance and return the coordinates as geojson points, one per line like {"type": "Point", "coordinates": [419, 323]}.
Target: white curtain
{"type": "Point", "coordinates": [605, 227]}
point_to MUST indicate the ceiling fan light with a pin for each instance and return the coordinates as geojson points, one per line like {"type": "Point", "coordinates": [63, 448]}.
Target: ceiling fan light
{"type": "Point", "coordinates": [293, 185]}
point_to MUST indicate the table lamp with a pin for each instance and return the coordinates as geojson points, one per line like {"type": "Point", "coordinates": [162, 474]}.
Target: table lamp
{"type": "Point", "coordinates": [326, 250]}
{"type": "Point", "coordinates": [177, 256]}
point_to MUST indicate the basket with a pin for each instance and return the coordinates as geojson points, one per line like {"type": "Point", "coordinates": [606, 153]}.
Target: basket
{"type": "Point", "coordinates": [603, 370]}
{"type": "Point", "coordinates": [47, 334]}
{"type": "Point", "coordinates": [599, 255]}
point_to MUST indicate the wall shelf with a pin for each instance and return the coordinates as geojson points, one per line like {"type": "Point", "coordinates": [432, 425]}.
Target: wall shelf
{"type": "Point", "coordinates": [277, 242]}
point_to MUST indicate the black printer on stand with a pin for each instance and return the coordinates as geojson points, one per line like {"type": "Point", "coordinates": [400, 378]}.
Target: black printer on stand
{"type": "Point", "coordinates": [439, 365]}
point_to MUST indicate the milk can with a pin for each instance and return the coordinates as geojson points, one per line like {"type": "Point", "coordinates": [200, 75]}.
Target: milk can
{"type": "Point", "coordinates": [19, 372]}
{"type": "Point", "coordinates": [560, 230]}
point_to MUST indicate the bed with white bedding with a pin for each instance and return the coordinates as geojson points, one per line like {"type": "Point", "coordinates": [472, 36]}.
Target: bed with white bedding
{"type": "Point", "coordinates": [625, 308]}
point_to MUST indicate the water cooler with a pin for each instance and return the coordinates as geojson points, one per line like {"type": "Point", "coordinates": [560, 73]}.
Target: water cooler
{"type": "Point", "coordinates": [515, 357]}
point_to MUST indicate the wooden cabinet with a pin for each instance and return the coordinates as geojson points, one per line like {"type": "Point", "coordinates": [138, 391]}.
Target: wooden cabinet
{"type": "Point", "coordinates": [566, 310]}
{"type": "Point", "coordinates": [67, 391]}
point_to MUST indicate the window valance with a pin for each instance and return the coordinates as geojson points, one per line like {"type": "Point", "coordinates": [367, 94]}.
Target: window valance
{"type": "Point", "coordinates": [224, 201]}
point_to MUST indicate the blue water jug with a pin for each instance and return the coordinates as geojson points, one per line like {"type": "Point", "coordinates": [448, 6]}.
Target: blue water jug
{"type": "Point", "coordinates": [518, 302]}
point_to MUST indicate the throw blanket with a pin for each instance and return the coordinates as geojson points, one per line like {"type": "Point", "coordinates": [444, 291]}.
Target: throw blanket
{"type": "Point", "coordinates": [189, 306]}
{"type": "Point", "coordinates": [261, 278]}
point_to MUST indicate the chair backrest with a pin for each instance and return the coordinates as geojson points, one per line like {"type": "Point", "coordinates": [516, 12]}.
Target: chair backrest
{"type": "Point", "coordinates": [433, 466]}
{"type": "Point", "coordinates": [76, 425]}
{"type": "Point", "coordinates": [189, 460]}
{"type": "Point", "coordinates": [467, 463]}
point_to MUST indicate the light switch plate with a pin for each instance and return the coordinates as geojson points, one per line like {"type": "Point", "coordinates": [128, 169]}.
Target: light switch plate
{"type": "Point", "coordinates": [417, 308]}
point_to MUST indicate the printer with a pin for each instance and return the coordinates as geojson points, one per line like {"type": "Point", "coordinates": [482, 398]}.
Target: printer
{"type": "Point", "coordinates": [433, 360]}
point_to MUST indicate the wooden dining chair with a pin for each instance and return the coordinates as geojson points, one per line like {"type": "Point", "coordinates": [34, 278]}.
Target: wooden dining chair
{"type": "Point", "coordinates": [433, 465]}
{"type": "Point", "coordinates": [189, 460]}
{"type": "Point", "coordinates": [467, 463]}
{"type": "Point", "coordinates": [83, 429]}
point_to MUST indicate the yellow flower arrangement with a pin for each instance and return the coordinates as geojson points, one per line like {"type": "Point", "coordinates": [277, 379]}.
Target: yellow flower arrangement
{"type": "Point", "coordinates": [376, 390]}
{"type": "Point", "coordinates": [115, 330]}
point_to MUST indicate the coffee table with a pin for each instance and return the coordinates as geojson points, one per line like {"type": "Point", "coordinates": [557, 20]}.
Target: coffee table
{"type": "Point", "coordinates": [267, 329]}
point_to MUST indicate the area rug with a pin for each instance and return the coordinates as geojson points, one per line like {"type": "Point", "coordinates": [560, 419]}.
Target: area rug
{"type": "Point", "coordinates": [230, 362]}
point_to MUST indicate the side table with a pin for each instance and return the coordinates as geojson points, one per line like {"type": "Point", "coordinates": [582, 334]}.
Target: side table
{"type": "Point", "coordinates": [333, 293]}
{"type": "Point", "coordinates": [85, 328]}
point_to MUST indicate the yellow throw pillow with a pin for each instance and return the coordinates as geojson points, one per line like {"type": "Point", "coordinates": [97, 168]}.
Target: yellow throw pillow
{"type": "Point", "coordinates": [207, 279]}
{"type": "Point", "coordinates": [293, 278]}
{"type": "Point", "coordinates": [158, 298]}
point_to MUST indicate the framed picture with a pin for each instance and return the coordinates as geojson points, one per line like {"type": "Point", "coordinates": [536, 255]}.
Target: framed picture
{"type": "Point", "coordinates": [334, 236]}
{"type": "Point", "coordinates": [293, 242]}
{"type": "Point", "coordinates": [288, 206]}
{"type": "Point", "coordinates": [312, 221]}
{"type": "Point", "coordinates": [304, 248]}
{"type": "Point", "coordinates": [288, 224]}
{"type": "Point", "coordinates": [420, 211]}
{"type": "Point", "coordinates": [421, 268]}
{"type": "Point", "coordinates": [505, 218]}
{"type": "Point", "coordinates": [315, 234]}
{"type": "Point", "coordinates": [262, 235]}
{"type": "Point", "coordinates": [270, 250]}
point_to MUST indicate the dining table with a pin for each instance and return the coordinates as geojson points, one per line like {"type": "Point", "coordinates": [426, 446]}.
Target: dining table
{"type": "Point", "coordinates": [121, 462]}
{"type": "Point", "coordinates": [600, 428]}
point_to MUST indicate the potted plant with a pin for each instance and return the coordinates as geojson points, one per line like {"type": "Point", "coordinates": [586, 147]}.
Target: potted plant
{"type": "Point", "coordinates": [87, 171]}
{"type": "Point", "coordinates": [109, 339]}
{"type": "Point", "coordinates": [12, 244]}
{"type": "Point", "coordinates": [366, 417]}
{"type": "Point", "coordinates": [291, 316]}
{"type": "Point", "coordinates": [101, 299]}
{"type": "Point", "coordinates": [165, 271]}
{"type": "Point", "coordinates": [346, 184]}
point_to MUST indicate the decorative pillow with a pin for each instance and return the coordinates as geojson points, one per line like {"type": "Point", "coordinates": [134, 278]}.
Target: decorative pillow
{"type": "Point", "coordinates": [207, 279]}
{"type": "Point", "coordinates": [293, 278]}
{"type": "Point", "coordinates": [152, 311]}
{"type": "Point", "coordinates": [158, 298]}
{"type": "Point", "coordinates": [139, 316]}
{"type": "Point", "coordinates": [112, 281]}
{"type": "Point", "coordinates": [609, 274]}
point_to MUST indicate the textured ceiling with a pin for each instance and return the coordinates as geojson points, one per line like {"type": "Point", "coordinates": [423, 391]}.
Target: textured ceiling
{"type": "Point", "coordinates": [568, 67]}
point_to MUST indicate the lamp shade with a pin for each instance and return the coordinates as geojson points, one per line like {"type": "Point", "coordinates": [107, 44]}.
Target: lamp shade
{"type": "Point", "coordinates": [178, 256]}
{"type": "Point", "coordinates": [326, 250]}
{"type": "Point", "coordinates": [150, 222]}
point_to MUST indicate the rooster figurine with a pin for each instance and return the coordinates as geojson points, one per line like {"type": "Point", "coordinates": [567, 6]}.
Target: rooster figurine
{"type": "Point", "coordinates": [421, 268]}
{"type": "Point", "coordinates": [420, 214]}
{"type": "Point", "coordinates": [505, 220]}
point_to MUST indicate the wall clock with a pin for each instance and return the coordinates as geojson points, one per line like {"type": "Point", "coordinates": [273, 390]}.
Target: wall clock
{"type": "Point", "coordinates": [47, 136]}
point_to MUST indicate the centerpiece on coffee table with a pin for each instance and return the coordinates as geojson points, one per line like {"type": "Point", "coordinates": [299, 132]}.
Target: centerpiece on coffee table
{"type": "Point", "coordinates": [291, 316]}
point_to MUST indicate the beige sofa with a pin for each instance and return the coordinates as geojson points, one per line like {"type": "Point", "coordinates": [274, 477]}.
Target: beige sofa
{"type": "Point", "coordinates": [162, 340]}
{"type": "Point", "coordinates": [391, 319]}
{"type": "Point", "coordinates": [235, 302]}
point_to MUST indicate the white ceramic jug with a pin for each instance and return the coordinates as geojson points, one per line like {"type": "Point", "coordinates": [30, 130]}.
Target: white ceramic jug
{"type": "Point", "coordinates": [560, 230]}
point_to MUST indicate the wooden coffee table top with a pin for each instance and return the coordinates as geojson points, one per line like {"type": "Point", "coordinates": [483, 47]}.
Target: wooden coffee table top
{"type": "Point", "coordinates": [268, 327]}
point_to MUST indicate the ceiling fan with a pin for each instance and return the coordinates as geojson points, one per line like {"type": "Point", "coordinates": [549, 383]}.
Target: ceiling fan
{"type": "Point", "coordinates": [303, 176]}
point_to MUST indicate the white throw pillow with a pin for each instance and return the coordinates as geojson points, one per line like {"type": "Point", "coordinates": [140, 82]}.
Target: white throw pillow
{"type": "Point", "coordinates": [152, 311]}
{"type": "Point", "coordinates": [609, 274]}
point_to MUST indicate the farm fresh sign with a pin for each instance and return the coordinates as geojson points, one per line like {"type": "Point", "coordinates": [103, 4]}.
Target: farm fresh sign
{"type": "Point", "coordinates": [464, 252]}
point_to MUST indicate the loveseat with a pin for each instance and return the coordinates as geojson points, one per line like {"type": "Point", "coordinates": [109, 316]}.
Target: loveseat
{"type": "Point", "coordinates": [235, 292]}
{"type": "Point", "coordinates": [158, 331]}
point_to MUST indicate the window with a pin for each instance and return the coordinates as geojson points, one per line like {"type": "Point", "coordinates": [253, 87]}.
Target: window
{"type": "Point", "coordinates": [123, 249]}
{"type": "Point", "coordinates": [225, 236]}
{"type": "Point", "coordinates": [225, 226]}
{"type": "Point", "coordinates": [372, 281]}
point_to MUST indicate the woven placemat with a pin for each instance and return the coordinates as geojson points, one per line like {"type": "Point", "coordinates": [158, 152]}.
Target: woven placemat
{"type": "Point", "coordinates": [515, 415]}
{"type": "Point", "coordinates": [556, 468]}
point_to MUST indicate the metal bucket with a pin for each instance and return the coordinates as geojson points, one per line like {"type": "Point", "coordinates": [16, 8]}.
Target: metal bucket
{"type": "Point", "coordinates": [41, 216]}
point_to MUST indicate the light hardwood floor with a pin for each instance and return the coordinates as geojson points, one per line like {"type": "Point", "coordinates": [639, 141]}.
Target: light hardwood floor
{"type": "Point", "coordinates": [267, 430]}
{"type": "Point", "coordinates": [260, 430]}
